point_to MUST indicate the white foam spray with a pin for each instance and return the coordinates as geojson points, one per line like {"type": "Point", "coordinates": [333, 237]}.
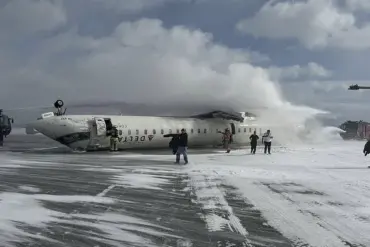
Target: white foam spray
{"type": "Point", "coordinates": [154, 65]}
{"type": "Point", "coordinates": [250, 88]}
{"type": "Point", "coordinates": [244, 87]}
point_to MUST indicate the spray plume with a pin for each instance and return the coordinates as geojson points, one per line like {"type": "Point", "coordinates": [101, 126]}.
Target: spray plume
{"type": "Point", "coordinates": [144, 62]}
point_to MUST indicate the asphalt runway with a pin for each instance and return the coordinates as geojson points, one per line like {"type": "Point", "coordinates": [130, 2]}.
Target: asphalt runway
{"type": "Point", "coordinates": [51, 196]}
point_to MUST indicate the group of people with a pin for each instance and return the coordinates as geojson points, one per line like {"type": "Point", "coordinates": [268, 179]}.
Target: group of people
{"type": "Point", "coordinates": [179, 143]}
{"type": "Point", "coordinates": [266, 140]}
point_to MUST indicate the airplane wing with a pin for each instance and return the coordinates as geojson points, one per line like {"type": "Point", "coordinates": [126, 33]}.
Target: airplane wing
{"type": "Point", "coordinates": [222, 115]}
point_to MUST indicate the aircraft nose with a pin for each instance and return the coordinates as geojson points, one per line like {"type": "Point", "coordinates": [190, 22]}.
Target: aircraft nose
{"type": "Point", "coordinates": [45, 127]}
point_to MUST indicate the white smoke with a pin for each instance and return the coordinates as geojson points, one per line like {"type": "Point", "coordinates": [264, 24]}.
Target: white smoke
{"type": "Point", "coordinates": [185, 67]}
{"type": "Point", "coordinates": [144, 62]}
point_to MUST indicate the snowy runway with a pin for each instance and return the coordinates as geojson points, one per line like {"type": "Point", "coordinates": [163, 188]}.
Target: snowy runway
{"type": "Point", "coordinates": [296, 197]}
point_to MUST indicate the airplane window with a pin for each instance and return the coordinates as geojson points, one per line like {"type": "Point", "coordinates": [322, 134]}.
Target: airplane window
{"type": "Point", "coordinates": [145, 132]}
{"type": "Point", "coordinates": [245, 130]}
{"type": "Point", "coordinates": [137, 132]}
{"type": "Point", "coordinates": [129, 132]}
{"type": "Point", "coordinates": [192, 131]}
{"type": "Point", "coordinates": [170, 131]}
{"type": "Point", "coordinates": [250, 130]}
{"type": "Point", "coordinates": [205, 130]}
{"type": "Point", "coordinates": [178, 131]}
{"type": "Point", "coordinates": [239, 130]}
{"type": "Point", "coordinates": [198, 131]}
{"type": "Point", "coordinates": [120, 132]}
{"type": "Point", "coordinates": [154, 132]}
{"type": "Point", "coordinates": [162, 131]}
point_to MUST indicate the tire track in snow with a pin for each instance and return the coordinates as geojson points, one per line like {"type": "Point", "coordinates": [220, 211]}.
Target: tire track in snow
{"type": "Point", "coordinates": [286, 216]}
{"type": "Point", "coordinates": [217, 215]}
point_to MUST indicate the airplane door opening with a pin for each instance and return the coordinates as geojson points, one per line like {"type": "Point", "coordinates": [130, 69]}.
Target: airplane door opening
{"type": "Point", "coordinates": [232, 128]}
{"type": "Point", "coordinates": [101, 127]}
{"type": "Point", "coordinates": [109, 126]}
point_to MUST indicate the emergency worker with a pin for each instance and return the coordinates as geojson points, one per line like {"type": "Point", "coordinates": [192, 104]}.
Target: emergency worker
{"type": "Point", "coordinates": [266, 139]}
{"type": "Point", "coordinates": [254, 137]}
{"type": "Point", "coordinates": [226, 139]}
{"type": "Point", "coordinates": [114, 139]}
{"type": "Point", "coordinates": [182, 146]}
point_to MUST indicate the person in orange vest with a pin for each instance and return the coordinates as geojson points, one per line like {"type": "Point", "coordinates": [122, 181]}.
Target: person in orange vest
{"type": "Point", "coordinates": [226, 139]}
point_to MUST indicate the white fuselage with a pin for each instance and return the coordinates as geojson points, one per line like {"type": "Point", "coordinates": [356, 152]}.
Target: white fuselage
{"type": "Point", "coordinates": [88, 132]}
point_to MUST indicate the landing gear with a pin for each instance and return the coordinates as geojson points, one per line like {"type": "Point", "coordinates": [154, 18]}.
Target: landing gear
{"type": "Point", "coordinates": [59, 106]}
{"type": "Point", "coordinates": [59, 103]}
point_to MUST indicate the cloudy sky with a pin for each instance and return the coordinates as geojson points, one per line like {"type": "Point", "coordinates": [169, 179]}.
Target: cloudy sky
{"type": "Point", "coordinates": [240, 53]}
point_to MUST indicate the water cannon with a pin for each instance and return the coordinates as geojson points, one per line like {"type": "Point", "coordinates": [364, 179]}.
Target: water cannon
{"type": "Point", "coordinates": [354, 87]}
{"type": "Point", "coordinates": [357, 87]}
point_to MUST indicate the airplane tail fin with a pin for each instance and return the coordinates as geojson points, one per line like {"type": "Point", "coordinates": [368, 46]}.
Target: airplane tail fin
{"type": "Point", "coordinates": [248, 115]}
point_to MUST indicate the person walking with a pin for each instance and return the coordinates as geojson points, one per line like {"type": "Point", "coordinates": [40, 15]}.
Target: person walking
{"type": "Point", "coordinates": [226, 139]}
{"type": "Point", "coordinates": [182, 145]}
{"type": "Point", "coordinates": [114, 140]}
{"type": "Point", "coordinates": [254, 138]}
{"type": "Point", "coordinates": [266, 139]}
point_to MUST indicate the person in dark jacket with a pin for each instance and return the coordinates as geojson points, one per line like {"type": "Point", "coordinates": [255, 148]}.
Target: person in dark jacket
{"type": "Point", "coordinates": [254, 138]}
{"type": "Point", "coordinates": [367, 148]}
{"type": "Point", "coordinates": [1, 137]}
{"type": "Point", "coordinates": [174, 143]}
{"type": "Point", "coordinates": [182, 147]}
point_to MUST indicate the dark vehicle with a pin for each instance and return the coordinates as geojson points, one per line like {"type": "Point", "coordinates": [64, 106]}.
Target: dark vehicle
{"type": "Point", "coordinates": [355, 130]}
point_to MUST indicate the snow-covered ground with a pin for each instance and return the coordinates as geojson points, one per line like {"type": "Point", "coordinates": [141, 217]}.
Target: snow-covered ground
{"type": "Point", "coordinates": [316, 194]}
{"type": "Point", "coordinates": [313, 195]}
